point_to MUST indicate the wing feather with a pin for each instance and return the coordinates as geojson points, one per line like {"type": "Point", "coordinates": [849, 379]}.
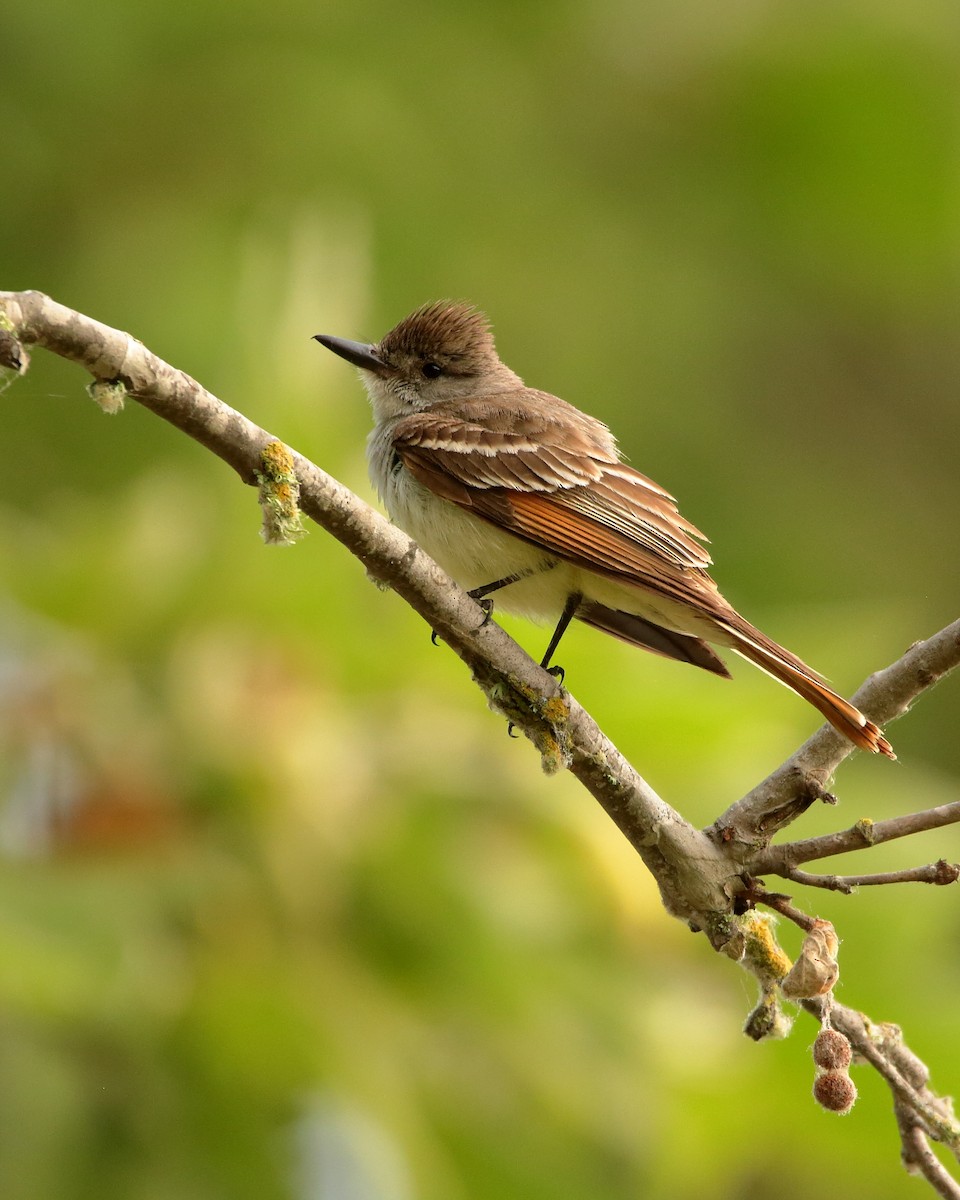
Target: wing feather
{"type": "Point", "coordinates": [553, 476]}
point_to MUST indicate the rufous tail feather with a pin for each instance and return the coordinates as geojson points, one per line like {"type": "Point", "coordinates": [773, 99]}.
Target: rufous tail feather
{"type": "Point", "coordinates": [788, 669]}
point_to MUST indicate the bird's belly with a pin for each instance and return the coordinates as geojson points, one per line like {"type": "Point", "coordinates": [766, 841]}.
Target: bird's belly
{"type": "Point", "coordinates": [475, 552]}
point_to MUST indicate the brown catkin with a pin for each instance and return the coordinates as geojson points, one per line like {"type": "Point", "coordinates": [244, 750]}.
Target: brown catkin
{"type": "Point", "coordinates": [835, 1091]}
{"type": "Point", "coordinates": [832, 1051]}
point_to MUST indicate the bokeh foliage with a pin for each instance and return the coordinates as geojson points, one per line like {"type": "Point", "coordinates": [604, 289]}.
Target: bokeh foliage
{"type": "Point", "coordinates": [282, 911]}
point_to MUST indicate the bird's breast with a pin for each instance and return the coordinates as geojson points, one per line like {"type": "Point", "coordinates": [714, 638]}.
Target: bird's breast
{"type": "Point", "coordinates": [473, 551]}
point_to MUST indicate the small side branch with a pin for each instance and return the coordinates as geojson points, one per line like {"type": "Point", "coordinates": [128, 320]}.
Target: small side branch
{"type": "Point", "coordinates": [939, 873]}
{"type": "Point", "coordinates": [782, 859]}
{"type": "Point", "coordinates": [779, 902]}
{"type": "Point", "coordinates": [918, 1158]}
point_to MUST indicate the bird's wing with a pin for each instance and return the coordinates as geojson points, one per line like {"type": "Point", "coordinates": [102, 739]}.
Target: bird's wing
{"type": "Point", "coordinates": [552, 476]}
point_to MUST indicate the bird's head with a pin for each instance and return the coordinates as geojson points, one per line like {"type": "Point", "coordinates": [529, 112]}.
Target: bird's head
{"type": "Point", "coordinates": [441, 352]}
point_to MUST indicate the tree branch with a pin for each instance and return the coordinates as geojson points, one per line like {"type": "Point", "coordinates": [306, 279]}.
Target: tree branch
{"type": "Point", "coordinates": [782, 859]}
{"type": "Point", "coordinates": [701, 875]}
{"type": "Point", "coordinates": [698, 872]}
{"type": "Point", "coordinates": [939, 873]}
{"type": "Point", "coordinates": [918, 1158]}
{"type": "Point", "coordinates": [563, 732]}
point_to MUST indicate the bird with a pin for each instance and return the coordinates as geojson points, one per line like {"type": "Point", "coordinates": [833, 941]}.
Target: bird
{"type": "Point", "coordinates": [520, 495]}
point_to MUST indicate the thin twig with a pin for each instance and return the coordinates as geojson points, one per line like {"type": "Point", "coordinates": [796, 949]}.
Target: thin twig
{"type": "Point", "coordinates": [918, 1158]}
{"type": "Point", "coordinates": [940, 873]}
{"type": "Point", "coordinates": [782, 858]}
{"type": "Point", "coordinates": [782, 904]}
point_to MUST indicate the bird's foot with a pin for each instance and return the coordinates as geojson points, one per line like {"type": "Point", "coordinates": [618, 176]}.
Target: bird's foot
{"type": "Point", "coordinates": [487, 605]}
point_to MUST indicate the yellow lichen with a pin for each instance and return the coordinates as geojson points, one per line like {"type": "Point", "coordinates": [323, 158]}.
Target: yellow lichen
{"type": "Point", "coordinates": [279, 496]}
{"type": "Point", "coordinates": [865, 828]}
{"type": "Point", "coordinates": [762, 952]}
{"type": "Point", "coordinates": [764, 958]}
{"type": "Point", "coordinates": [548, 730]}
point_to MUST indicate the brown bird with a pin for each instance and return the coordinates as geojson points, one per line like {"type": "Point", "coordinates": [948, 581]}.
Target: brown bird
{"type": "Point", "coordinates": [516, 492]}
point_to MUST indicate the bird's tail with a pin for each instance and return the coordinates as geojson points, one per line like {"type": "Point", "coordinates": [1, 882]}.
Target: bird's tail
{"type": "Point", "coordinates": [750, 643]}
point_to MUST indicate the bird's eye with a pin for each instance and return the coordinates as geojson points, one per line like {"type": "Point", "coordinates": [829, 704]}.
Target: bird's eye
{"type": "Point", "coordinates": [430, 370]}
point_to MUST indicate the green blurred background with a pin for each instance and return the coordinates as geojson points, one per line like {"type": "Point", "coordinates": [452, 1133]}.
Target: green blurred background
{"type": "Point", "coordinates": [283, 912]}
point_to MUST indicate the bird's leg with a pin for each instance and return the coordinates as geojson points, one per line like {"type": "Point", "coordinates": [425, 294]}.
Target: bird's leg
{"type": "Point", "coordinates": [569, 612]}
{"type": "Point", "coordinates": [480, 594]}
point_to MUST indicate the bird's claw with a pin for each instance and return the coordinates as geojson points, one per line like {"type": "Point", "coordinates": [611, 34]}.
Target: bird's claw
{"type": "Point", "coordinates": [487, 605]}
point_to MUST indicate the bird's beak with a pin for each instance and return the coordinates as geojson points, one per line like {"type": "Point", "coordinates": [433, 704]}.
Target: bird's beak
{"type": "Point", "coordinates": [358, 353]}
